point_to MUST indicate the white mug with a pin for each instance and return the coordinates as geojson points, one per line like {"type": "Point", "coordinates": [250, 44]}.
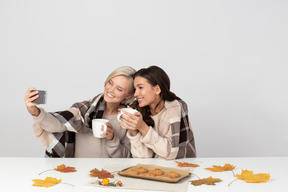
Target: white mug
{"type": "Point", "coordinates": [97, 126]}
{"type": "Point", "coordinates": [129, 110]}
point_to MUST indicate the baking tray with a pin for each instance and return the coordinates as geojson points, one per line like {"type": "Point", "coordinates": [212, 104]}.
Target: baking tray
{"type": "Point", "coordinates": [183, 173]}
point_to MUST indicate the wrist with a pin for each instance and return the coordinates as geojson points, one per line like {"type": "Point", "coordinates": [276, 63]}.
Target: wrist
{"type": "Point", "coordinates": [133, 132]}
{"type": "Point", "coordinates": [35, 112]}
{"type": "Point", "coordinates": [144, 129]}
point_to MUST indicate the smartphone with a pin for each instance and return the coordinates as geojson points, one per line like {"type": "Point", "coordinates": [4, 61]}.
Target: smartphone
{"type": "Point", "coordinates": [42, 97]}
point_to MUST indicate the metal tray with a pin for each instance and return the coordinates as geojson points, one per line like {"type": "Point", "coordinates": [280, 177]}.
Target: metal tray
{"type": "Point", "coordinates": [183, 173]}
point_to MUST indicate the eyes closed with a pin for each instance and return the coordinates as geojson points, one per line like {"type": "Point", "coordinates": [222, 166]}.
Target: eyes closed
{"type": "Point", "coordinates": [118, 87]}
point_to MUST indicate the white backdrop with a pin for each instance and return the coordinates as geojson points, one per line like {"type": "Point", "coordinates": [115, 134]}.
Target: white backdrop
{"type": "Point", "coordinates": [226, 59]}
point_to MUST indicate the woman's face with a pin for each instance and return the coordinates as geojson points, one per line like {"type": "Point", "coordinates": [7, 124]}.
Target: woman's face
{"type": "Point", "coordinates": [145, 93]}
{"type": "Point", "coordinates": [117, 89]}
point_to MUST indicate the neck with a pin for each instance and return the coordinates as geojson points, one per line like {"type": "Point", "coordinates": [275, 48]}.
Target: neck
{"type": "Point", "coordinates": [111, 109]}
{"type": "Point", "coordinates": [157, 107]}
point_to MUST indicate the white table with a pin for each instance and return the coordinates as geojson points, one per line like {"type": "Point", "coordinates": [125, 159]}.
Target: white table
{"type": "Point", "coordinates": [16, 174]}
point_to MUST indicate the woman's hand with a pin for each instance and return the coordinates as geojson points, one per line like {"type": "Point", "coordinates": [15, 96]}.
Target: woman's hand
{"type": "Point", "coordinates": [134, 123]}
{"type": "Point", "coordinates": [29, 98]}
{"type": "Point", "coordinates": [109, 133]}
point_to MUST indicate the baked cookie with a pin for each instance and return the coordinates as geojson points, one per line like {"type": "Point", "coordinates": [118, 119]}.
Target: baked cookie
{"type": "Point", "coordinates": [133, 172]}
{"type": "Point", "coordinates": [173, 174]}
{"type": "Point", "coordinates": [149, 174]}
{"type": "Point", "coordinates": [141, 170]}
{"type": "Point", "coordinates": [157, 172]}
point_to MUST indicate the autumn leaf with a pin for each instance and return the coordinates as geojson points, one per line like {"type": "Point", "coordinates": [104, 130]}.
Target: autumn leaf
{"type": "Point", "coordinates": [185, 164]}
{"type": "Point", "coordinates": [226, 167]}
{"type": "Point", "coordinates": [61, 168]}
{"type": "Point", "coordinates": [65, 169]}
{"type": "Point", "coordinates": [47, 182]}
{"type": "Point", "coordinates": [206, 181]}
{"type": "Point", "coordinates": [250, 177]}
{"type": "Point", "coordinates": [101, 174]}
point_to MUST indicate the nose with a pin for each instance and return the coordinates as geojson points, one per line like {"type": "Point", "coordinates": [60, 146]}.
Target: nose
{"type": "Point", "coordinates": [136, 93]}
{"type": "Point", "coordinates": [110, 88]}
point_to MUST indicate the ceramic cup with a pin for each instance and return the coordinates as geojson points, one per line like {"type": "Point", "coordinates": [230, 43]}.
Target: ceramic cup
{"type": "Point", "coordinates": [129, 110]}
{"type": "Point", "coordinates": [97, 126]}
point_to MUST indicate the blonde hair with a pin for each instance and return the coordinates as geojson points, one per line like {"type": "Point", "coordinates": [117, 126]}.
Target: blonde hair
{"type": "Point", "coordinates": [127, 72]}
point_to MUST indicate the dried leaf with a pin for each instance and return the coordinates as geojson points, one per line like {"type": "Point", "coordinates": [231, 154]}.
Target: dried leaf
{"type": "Point", "coordinates": [250, 177]}
{"type": "Point", "coordinates": [226, 167]}
{"type": "Point", "coordinates": [101, 174]}
{"type": "Point", "coordinates": [65, 169]}
{"type": "Point", "coordinates": [206, 181]}
{"type": "Point", "coordinates": [185, 164]}
{"type": "Point", "coordinates": [47, 182]}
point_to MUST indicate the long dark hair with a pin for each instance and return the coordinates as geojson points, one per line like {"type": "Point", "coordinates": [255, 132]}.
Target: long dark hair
{"type": "Point", "coordinates": [155, 76]}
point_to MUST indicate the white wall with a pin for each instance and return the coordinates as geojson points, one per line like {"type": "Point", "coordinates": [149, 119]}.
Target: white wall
{"type": "Point", "coordinates": [226, 59]}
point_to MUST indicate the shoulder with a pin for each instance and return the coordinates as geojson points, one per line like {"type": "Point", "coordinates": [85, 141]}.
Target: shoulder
{"type": "Point", "coordinates": [183, 105]}
{"type": "Point", "coordinates": [83, 106]}
{"type": "Point", "coordinates": [97, 98]}
{"type": "Point", "coordinates": [176, 108]}
{"type": "Point", "coordinates": [173, 110]}
{"type": "Point", "coordinates": [175, 104]}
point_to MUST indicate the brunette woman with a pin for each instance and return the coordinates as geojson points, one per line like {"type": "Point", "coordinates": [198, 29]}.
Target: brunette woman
{"type": "Point", "coordinates": [161, 128]}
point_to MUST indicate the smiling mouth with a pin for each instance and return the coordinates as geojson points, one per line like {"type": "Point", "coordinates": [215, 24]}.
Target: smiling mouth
{"type": "Point", "coordinates": [109, 95]}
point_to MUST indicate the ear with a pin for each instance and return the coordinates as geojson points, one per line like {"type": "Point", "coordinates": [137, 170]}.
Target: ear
{"type": "Point", "coordinates": [157, 90]}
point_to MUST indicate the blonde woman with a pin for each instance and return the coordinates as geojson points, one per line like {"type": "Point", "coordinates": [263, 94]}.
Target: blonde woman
{"type": "Point", "coordinates": [68, 133]}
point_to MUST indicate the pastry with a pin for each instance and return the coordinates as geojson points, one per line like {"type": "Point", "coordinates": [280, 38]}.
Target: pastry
{"type": "Point", "coordinates": [157, 172]}
{"type": "Point", "coordinates": [173, 174]}
{"type": "Point", "coordinates": [141, 170]}
{"type": "Point", "coordinates": [132, 172]}
{"type": "Point", "coordinates": [149, 174]}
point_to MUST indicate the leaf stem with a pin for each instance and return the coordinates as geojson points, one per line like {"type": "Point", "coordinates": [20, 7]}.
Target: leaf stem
{"type": "Point", "coordinates": [68, 184]}
{"type": "Point", "coordinates": [114, 172]}
{"type": "Point", "coordinates": [196, 175]}
{"type": "Point", "coordinates": [46, 171]}
{"type": "Point", "coordinates": [232, 182]}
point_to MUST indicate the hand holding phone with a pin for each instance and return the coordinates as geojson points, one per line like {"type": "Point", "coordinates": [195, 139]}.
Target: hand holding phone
{"type": "Point", "coordinates": [42, 97]}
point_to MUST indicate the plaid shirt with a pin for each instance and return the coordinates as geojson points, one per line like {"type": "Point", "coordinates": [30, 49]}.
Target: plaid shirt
{"type": "Point", "coordinates": [186, 142]}
{"type": "Point", "coordinates": [78, 117]}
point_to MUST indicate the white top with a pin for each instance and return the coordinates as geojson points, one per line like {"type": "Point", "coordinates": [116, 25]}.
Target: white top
{"type": "Point", "coordinates": [157, 142]}
{"type": "Point", "coordinates": [85, 143]}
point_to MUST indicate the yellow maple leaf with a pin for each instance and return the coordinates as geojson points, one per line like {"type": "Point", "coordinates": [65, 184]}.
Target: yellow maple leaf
{"type": "Point", "coordinates": [47, 182]}
{"type": "Point", "coordinates": [206, 181]}
{"type": "Point", "coordinates": [185, 164]}
{"type": "Point", "coordinates": [250, 177]}
{"type": "Point", "coordinates": [226, 167]}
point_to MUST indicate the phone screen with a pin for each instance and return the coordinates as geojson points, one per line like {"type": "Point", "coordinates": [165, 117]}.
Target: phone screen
{"type": "Point", "coordinates": [42, 97]}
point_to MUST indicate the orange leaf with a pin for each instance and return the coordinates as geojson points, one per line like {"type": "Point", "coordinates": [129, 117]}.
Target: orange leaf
{"type": "Point", "coordinates": [226, 167]}
{"type": "Point", "coordinates": [185, 164]}
{"type": "Point", "coordinates": [250, 177]}
{"type": "Point", "coordinates": [65, 169]}
{"type": "Point", "coordinates": [206, 181]}
{"type": "Point", "coordinates": [47, 182]}
{"type": "Point", "coordinates": [101, 174]}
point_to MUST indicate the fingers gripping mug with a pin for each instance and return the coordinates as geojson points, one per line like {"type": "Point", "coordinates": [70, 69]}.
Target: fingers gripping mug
{"type": "Point", "coordinates": [128, 110]}
{"type": "Point", "coordinates": [97, 126]}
